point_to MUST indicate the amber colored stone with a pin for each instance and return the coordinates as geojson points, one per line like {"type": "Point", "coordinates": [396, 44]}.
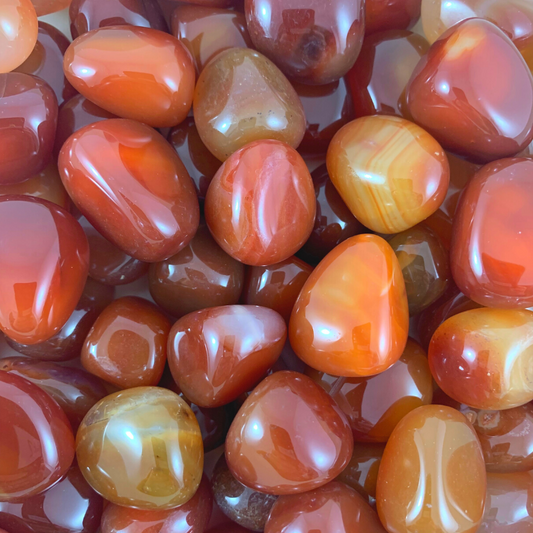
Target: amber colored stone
{"type": "Point", "coordinates": [373, 414]}
{"type": "Point", "coordinates": [243, 505]}
{"type": "Point", "coordinates": [425, 266]}
{"type": "Point", "coordinates": [207, 31]}
{"type": "Point", "coordinates": [333, 507]}
{"type": "Point", "coordinates": [133, 72]}
{"type": "Point", "coordinates": [73, 115]}
{"type": "Point", "coordinates": [27, 126]}
{"type": "Point", "coordinates": [391, 173]}
{"type": "Point", "coordinates": [127, 345]}
{"type": "Point", "coordinates": [432, 475]}
{"type": "Point", "coordinates": [18, 33]}
{"type": "Point", "coordinates": [88, 15]}
{"type": "Point", "coordinates": [200, 163]}
{"type": "Point", "coordinates": [334, 222]}
{"type": "Point", "coordinates": [351, 318]}
{"type": "Point", "coordinates": [199, 276]}
{"type": "Point", "coordinates": [382, 15]}
{"type": "Point", "coordinates": [482, 358]}
{"type": "Point", "coordinates": [260, 206]}
{"type": "Point", "coordinates": [75, 390]}
{"type": "Point", "coordinates": [45, 7]}
{"type": "Point", "coordinates": [327, 109]}
{"type": "Point", "coordinates": [217, 354]}
{"type": "Point", "coordinates": [68, 341]}
{"type": "Point", "coordinates": [473, 92]}
{"type": "Point", "coordinates": [148, 206]}
{"type": "Point", "coordinates": [312, 42]}
{"type": "Point", "coordinates": [288, 437]}
{"type": "Point", "coordinates": [191, 517]}
{"type": "Point", "coordinates": [36, 439]}
{"type": "Point", "coordinates": [276, 286]}
{"type": "Point", "coordinates": [46, 185]}
{"type": "Point", "coordinates": [240, 97]}
{"type": "Point", "coordinates": [43, 267]}
{"type": "Point", "coordinates": [70, 506]}
{"type": "Point", "coordinates": [160, 467]}
{"type": "Point", "coordinates": [491, 254]}
{"type": "Point", "coordinates": [378, 79]}
{"type": "Point", "coordinates": [361, 473]}
{"type": "Point", "coordinates": [508, 505]}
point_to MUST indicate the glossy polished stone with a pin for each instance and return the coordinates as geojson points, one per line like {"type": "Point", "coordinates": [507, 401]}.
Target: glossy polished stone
{"type": "Point", "coordinates": [491, 254]}
{"type": "Point", "coordinates": [75, 390]}
{"type": "Point", "coordinates": [207, 31]}
{"type": "Point", "coordinates": [28, 122]}
{"type": "Point", "coordinates": [378, 79]}
{"type": "Point", "coordinates": [199, 276]}
{"type": "Point", "coordinates": [391, 173]}
{"type": "Point", "coordinates": [132, 187]}
{"type": "Point", "coordinates": [361, 473]}
{"type": "Point", "coordinates": [243, 97]}
{"type": "Point", "coordinates": [260, 206]}
{"type": "Point", "coordinates": [219, 353]}
{"type": "Point", "coordinates": [18, 33]}
{"type": "Point", "coordinates": [422, 484]}
{"type": "Point", "coordinates": [425, 266]}
{"type": "Point", "coordinates": [160, 467]}
{"type": "Point", "coordinates": [241, 504]}
{"type": "Point", "coordinates": [44, 260]}
{"type": "Point", "coordinates": [311, 41]}
{"type": "Point", "coordinates": [474, 93]}
{"type": "Point", "coordinates": [67, 343]}
{"type": "Point", "coordinates": [70, 506]}
{"type": "Point", "coordinates": [371, 412]}
{"type": "Point", "coordinates": [288, 437]}
{"type": "Point", "coordinates": [36, 439]}
{"type": "Point", "coordinates": [191, 517]}
{"type": "Point", "coordinates": [276, 286]}
{"type": "Point", "coordinates": [45, 7]}
{"type": "Point", "coordinates": [482, 358]}
{"type": "Point", "coordinates": [127, 345]}
{"type": "Point", "coordinates": [327, 109]}
{"type": "Point", "coordinates": [88, 15]}
{"type": "Point", "coordinates": [382, 15]}
{"type": "Point", "coordinates": [351, 318]}
{"type": "Point", "coordinates": [137, 73]}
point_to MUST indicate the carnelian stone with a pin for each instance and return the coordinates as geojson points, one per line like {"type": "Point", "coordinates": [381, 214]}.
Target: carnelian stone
{"type": "Point", "coordinates": [492, 246]}
{"type": "Point", "coordinates": [432, 475]}
{"type": "Point", "coordinates": [391, 173]}
{"type": "Point", "coordinates": [474, 92]}
{"type": "Point", "coordinates": [351, 318]}
{"type": "Point", "coordinates": [27, 126]}
{"type": "Point", "coordinates": [44, 258]}
{"type": "Point", "coordinates": [333, 507]}
{"type": "Point", "coordinates": [312, 42]}
{"type": "Point", "coordinates": [137, 73]}
{"type": "Point", "coordinates": [18, 33]}
{"type": "Point", "coordinates": [127, 345]}
{"type": "Point", "coordinates": [45, 7]}
{"type": "Point", "coordinates": [260, 206]}
{"type": "Point", "coordinates": [384, 15]}
{"type": "Point", "coordinates": [132, 187]}
{"type": "Point", "coordinates": [36, 439]}
{"type": "Point", "coordinates": [217, 354]}
{"type": "Point", "coordinates": [288, 437]}
{"type": "Point", "coordinates": [240, 97]}
{"type": "Point", "coordinates": [482, 358]}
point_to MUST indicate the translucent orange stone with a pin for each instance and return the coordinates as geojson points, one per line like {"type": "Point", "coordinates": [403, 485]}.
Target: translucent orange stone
{"type": "Point", "coordinates": [45, 7]}
{"type": "Point", "coordinates": [432, 474]}
{"type": "Point", "coordinates": [133, 72]}
{"type": "Point", "coordinates": [382, 15]}
{"type": "Point", "coordinates": [390, 173]}
{"type": "Point", "coordinates": [351, 318]}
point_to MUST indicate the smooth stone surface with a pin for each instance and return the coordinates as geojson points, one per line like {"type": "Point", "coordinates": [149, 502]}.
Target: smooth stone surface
{"type": "Point", "coordinates": [382, 15]}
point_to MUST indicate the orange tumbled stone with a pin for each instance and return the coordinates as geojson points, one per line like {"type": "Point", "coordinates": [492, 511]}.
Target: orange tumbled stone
{"type": "Point", "coordinates": [351, 318]}
{"type": "Point", "coordinates": [133, 72]}
{"type": "Point", "coordinates": [389, 172]}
